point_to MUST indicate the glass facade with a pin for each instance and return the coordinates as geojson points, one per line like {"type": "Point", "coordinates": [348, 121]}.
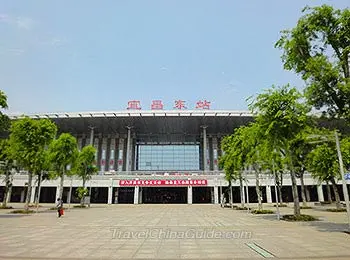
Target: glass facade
{"type": "Point", "coordinates": [168, 157]}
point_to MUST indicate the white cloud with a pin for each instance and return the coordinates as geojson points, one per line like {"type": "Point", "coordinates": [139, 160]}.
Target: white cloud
{"type": "Point", "coordinates": [20, 22]}
{"type": "Point", "coordinates": [24, 23]}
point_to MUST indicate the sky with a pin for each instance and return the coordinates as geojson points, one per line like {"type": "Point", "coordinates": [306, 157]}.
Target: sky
{"type": "Point", "coordinates": [72, 56]}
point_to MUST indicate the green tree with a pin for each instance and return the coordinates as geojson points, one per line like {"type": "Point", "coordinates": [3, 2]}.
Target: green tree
{"type": "Point", "coordinates": [28, 139]}
{"type": "Point", "coordinates": [281, 115]}
{"type": "Point", "coordinates": [85, 168]}
{"type": "Point", "coordinates": [4, 119]}
{"type": "Point", "coordinates": [41, 172]}
{"type": "Point", "coordinates": [62, 153]}
{"type": "Point", "coordinates": [318, 49]}
{"type": "Point", "coordinates": [323, 165]}
{"type": "Point", "coordinates": [7, 167]}
{"type": "Point", "coordinates": [302, 146]}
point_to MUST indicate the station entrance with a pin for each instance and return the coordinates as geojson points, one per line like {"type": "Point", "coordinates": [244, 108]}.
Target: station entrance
{"type": "Point", "coordinates": [164, 195]}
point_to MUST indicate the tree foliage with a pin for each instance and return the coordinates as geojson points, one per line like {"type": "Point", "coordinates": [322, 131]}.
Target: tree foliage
{"type": "Point", "coordinates": [84, 166]}
{"type": "Point", "coordinates": [4, 119]}
{"type": "Point", "coordinates": [281, 115]}
{"type": "Point", "coordinates": [318, 49]}
{"type": "Point", "coordinates": [28, 139]}
{"type": "Point", "coordinates": [62, 152]}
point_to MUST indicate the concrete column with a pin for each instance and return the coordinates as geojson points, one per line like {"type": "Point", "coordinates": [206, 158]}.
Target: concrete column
{"type": "Point", "coordinates": [120, 155]}
{"type": "Point", "coordinates": [110, 194]}
{"type": "Point", "coordinates": [140, 195]}
{"type": "Point", "coordinates": [215, 154]}
{"type": "Point", "coordinates": [216, 195]}
{"type": "Point", "coordinates": [189, 195]}
{"type": "Point", "coordinates": [320, 193]}
{"type": "Point", "coordinates": [91, 136]}
{"type": "Point", "coordinates": [111, 161]}
{"type": "Point", "coordinates": [80, 143]}
{"type": "Point", "coordinates": [128, 150]}
{"type": "Point", "coordinates": [96, 145]}
{"type": "Point", "coordinates": [268, 194]}
{"type": "Point", "coordinates": [136, 195]}
{"type": "Point", "coordinates": [22, 196]}
{"type": "Point", "coordinates": [205, 149]}
{"type": "Point", "coordinates": [32, 195]}
{"type": "Point", "coordinates": [103, 155]}
{"type": "Point", "coordinates": [307, 192]}
{"type": "Point", "coordinates": [116, 196]}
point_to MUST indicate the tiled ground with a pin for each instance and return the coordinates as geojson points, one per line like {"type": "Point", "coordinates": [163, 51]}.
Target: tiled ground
{"type": "Point", "coordinates": [170, 232]}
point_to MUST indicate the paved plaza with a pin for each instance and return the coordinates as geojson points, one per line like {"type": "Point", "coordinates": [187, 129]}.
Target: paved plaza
{"type": "Point", "coordinates": [170, 232]}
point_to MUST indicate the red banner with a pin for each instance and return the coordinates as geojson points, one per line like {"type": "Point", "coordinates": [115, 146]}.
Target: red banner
{"type": "Point", "coordinates": [130, 183]}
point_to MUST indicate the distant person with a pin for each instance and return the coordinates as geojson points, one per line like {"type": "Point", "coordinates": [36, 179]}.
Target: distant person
{"type": "Point", "coordinates": [59, 206]}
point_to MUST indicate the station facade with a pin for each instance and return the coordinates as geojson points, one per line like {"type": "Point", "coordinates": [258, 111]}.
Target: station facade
{"type": "Point", "coordinates": [156, 156]}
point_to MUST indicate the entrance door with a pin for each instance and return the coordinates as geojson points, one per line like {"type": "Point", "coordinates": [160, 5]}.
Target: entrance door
{"type": "Point", "coordinates": [125, 195]}
{"type": "Point", "coordinates": [164, 195]}
{"type": "Point", "coordinates": [202, 194]}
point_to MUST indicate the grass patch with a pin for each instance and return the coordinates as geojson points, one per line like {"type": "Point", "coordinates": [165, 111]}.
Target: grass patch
{"type": "Point", "coordinates": [263, 211]}
{"type": "Point", "coordinates": [325, 202]}
{"type": "Point", "coordinates": [299, 218]}
{"type": "Point", "coordinates": [336, 210]}
{"type": "Point", "coordinates": [22, 211]}
{"type": "Point", "coordinates": [305, 207]}
{"type": "Point", "coordinates": [281, 205]}
{"type": "Point", "coordinates": [7, 207]}
{"type": "Point", "coordinates": [80, 206]}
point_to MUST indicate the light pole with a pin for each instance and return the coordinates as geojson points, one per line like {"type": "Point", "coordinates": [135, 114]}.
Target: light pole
{"type": "Point", "coordinates": [276, 193]}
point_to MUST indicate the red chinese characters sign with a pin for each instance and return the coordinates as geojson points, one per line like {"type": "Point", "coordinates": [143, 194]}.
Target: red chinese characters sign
{"type": "Point", "coordinates": [180, 104]}
{"type": "Point", "coordinates": [134, 104]}
{"type": "Point", "coordinates": [131, 183]}
{"type": "Point", "coordinates": [203, 104]}
{"type": "Point", "coordinates": [158, 105]}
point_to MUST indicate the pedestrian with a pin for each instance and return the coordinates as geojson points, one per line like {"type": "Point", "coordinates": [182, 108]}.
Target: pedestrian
{"type": "Point", "coordinates": [59, 206]}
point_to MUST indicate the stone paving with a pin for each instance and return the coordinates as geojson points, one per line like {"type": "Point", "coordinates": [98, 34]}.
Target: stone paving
{"type": "Point", "coordinates": [171, 232]}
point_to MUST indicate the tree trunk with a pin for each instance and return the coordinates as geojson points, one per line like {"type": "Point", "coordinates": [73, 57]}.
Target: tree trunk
{"type": "Point", "coordinates": [8, 198]}
{"type": "Point", "coordinates": [230, 195]}
{"type": "Point", "coordinates": [29, 191]}
{"type": "Point", "coordinates": [82, 200]}
{"type": "Point", "coordinates": [329, 195]}
{"type": "Point", "coordinates": [61, 187]}
{"type": "Point", "coordinates": [7, 188]}
{"type": "Point", "coordinates": [37, 197]}
{"type": "Point", "coordinates": [303, 193]}
{"type": "Point", "coordinates": [279, 189]}
{"type": "Point", "coordinates": [242, 191]}
{"type": "Point", "coordinates": [257, 189]}
{"type": "Point", "coordinates": [336, 193]}
{"type": "Point", "coordinates": [294, 187]}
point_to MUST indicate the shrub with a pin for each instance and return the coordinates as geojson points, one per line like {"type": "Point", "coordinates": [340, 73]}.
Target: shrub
{"type": "Point", "coordinates": [80, 206]}
{"type": "Point", "coordinates": [242, 208]}
{"type": "Point", "coordinates": [263, 211]}
{"type": "Point", "coordinates": [305, 207]}
{"type": "Point", "coordinates": [7, 207]}
{"type": "Point", "coordinates": [336, 210]}
{"type": "Point", "coordinates": [22, 211]}
{"type": "Point", "coordinates": [299, 218]}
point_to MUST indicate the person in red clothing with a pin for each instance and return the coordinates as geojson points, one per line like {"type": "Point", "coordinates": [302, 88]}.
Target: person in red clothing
{"type": "Point", "coordinates": [59, 206]}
